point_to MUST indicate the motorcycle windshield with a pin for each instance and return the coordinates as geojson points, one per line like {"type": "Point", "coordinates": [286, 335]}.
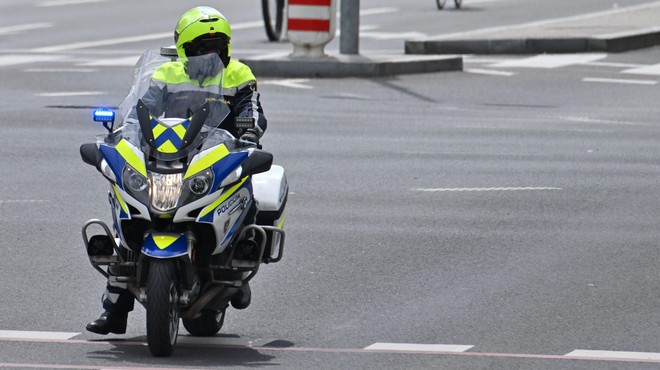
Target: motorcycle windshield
{"type": "Point", "coordinates": [173, 93]}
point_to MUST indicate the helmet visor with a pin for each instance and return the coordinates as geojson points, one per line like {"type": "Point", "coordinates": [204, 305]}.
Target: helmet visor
{"type": "Point", "coordinates": [207, 45]}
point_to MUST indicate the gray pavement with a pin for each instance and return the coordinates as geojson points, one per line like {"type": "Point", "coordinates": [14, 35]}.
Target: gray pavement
{"type": "Point", "coordinates": [615, 30]}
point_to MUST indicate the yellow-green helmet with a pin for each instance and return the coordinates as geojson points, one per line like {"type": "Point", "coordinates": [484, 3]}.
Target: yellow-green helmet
{"type": "Point", "coordinates": [197, 22]}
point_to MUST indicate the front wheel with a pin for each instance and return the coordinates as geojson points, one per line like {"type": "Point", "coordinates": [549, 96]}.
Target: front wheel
{"type": "Point", "coordinates": [441, 3]}
{"type": "Point", "coordinates": [162, 307]}
{"type": "Point", "coordinates": [458, 3]}
{"type": "Point", "coordinates": [207, 324]}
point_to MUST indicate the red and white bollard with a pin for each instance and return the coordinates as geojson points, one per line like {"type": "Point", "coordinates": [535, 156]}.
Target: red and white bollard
{"type": "Point", "coordinates": [311, 25]}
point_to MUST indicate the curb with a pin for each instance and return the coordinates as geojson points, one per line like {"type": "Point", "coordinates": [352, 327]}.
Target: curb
{"type": "Point", "coordinates": [350, 65]}
{"type": "Point", "coordinates": [614, 43]}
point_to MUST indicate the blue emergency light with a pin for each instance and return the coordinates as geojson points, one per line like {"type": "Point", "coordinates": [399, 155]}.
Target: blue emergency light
{"type": "Point", "coordinates": [104, 115]}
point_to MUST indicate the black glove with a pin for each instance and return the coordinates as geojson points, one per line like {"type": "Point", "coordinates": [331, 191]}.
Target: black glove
{"type": "Point", "coordinates": [250, 136]}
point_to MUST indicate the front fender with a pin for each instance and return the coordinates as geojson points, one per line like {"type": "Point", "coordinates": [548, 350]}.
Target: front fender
{"type": "Point", "coordinates": [163, 245]}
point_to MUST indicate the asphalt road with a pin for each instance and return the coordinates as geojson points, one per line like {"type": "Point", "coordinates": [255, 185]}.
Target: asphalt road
{"type": "Point", "coordinates": [507, 212]}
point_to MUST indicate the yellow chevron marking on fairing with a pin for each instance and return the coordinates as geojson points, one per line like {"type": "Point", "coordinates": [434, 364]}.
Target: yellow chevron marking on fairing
{"type": "Point", "coordinates": [208, 209]}
{"type": "Point", "coordinates": [180, 131]}
{"type": "Point", "coordinates": [132, 158]}
{"type": "Point", "coordinates": [167, 147]}
{"type": "Point", "coordinates": [206, 161]}
{"type": "Point", "coordinates": [164, 241]}
{"type": "Point", "coordinates": [120, 199]}
{"type": "Point", "coordinates": [159, 129]}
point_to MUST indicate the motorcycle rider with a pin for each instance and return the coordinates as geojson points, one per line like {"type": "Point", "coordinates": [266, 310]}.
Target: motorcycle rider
{"type": "Point", "coordinates": [202, 37]}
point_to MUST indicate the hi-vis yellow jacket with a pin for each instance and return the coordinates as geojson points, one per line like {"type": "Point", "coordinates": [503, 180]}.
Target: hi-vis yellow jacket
{"type": "Point", "coordinates": [173, 93]}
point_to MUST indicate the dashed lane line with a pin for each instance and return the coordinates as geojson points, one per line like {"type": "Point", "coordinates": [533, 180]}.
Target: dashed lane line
{"type": "Point", "coordinates": [16, 201]}
{"type": "Point", "coordinates": [620, 81]}
{"type": "Point", "coordinates": [529, 188]}
{"type": "Point", "coordinates": [21, 334]}
{"type": "Point", "coordinates": [618, 355]}
{"type": "Point", "coordinates": [268, 345]}
{"type": "Point", "coordinates": [70, 93]}
{"type": "Point", "coordinates": [411, 347]}
{"type": "Point", "coordinates": [51, 3]}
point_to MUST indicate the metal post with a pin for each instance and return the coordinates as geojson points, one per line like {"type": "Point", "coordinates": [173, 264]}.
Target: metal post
{"type": "Point", "coordinates": [349, 38]}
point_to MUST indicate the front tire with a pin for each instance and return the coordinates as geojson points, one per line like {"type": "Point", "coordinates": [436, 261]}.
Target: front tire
{"type": "Point", "coordinates": [458, 3]}
{"type": "Point", "coordinates": [162, 307]}
{"type": "Point", "coordinates": [207, 324]}
{"type": "Point", "coordinates": [440, 3]}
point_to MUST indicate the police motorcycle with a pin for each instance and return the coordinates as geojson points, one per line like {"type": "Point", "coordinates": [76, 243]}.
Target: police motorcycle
{"type": "Point", "coordinates": [181, 191]}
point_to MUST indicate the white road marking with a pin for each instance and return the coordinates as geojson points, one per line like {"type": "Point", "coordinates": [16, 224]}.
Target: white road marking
{"type": "Point", "coordinates": [222, 341]}
{"type": "Point", "coordinates": [410, 347]}
{"type": "Point", "coordinates": [488, 72]}
{"type": "Point", "coordinates": [149, 37]}
{"type": "Point", "coordinates": [263, 345]}
{"type": "Point", "coordinates": [106, 42]}
{"type": "Point", "coordinates": [652, 70]}
{"type": "Point", "coordinates": [614, 355]}
{"type": "Point", "coordinates": [10, 60]}
{"type": "Point", "coordinates": [294, 83]}
{"type": "Point", "coordinates": [619, 81]}
{"type": "Point", "coordinates": [601, 121]}
{"type": "Point", "coordinates": [45, 4]}
{"type": "Point", "coordinates": [37, 335]}
{"type": "Point", "coordinates": [615, 65]}
{"type": "Point", "coordinates": [23, 27]}
{"type": "Point", "coordinates": [71, 93]}
{"type": "Point", "coordinates": [378, 11]}
{"type": "Point", "coordinates": [126, 40]}
{"type": "Point", "coordinates": [551, 60]}
{"type": "Point", "coordinates": [393, 35]}
{"type": "Point", "coordinates": [14, 201]}
{"type": "Point", "coordinates": [59, 70]}
{"type": "Point", "coordinates": [485, 1]}
{"type": "Point", "coordinates": [434, 190]}
{"type": "Point", "coordinates": [113, 62]}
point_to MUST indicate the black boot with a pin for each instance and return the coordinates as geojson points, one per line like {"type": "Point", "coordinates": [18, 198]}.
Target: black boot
{"type": "Point", "coordinates": [109, 323]}
{"type": "Point", "coordinates": [241, 300]}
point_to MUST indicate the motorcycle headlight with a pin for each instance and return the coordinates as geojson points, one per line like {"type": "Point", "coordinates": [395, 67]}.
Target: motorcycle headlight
{"type": "Point", "coordinates": [199, 185]}
{"type": "Point", "coordinates": [135, 180]}
{"type": "Point", "coordinates": [135, 184]}
{"type": "Point", "coordinates": [165, 190]}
